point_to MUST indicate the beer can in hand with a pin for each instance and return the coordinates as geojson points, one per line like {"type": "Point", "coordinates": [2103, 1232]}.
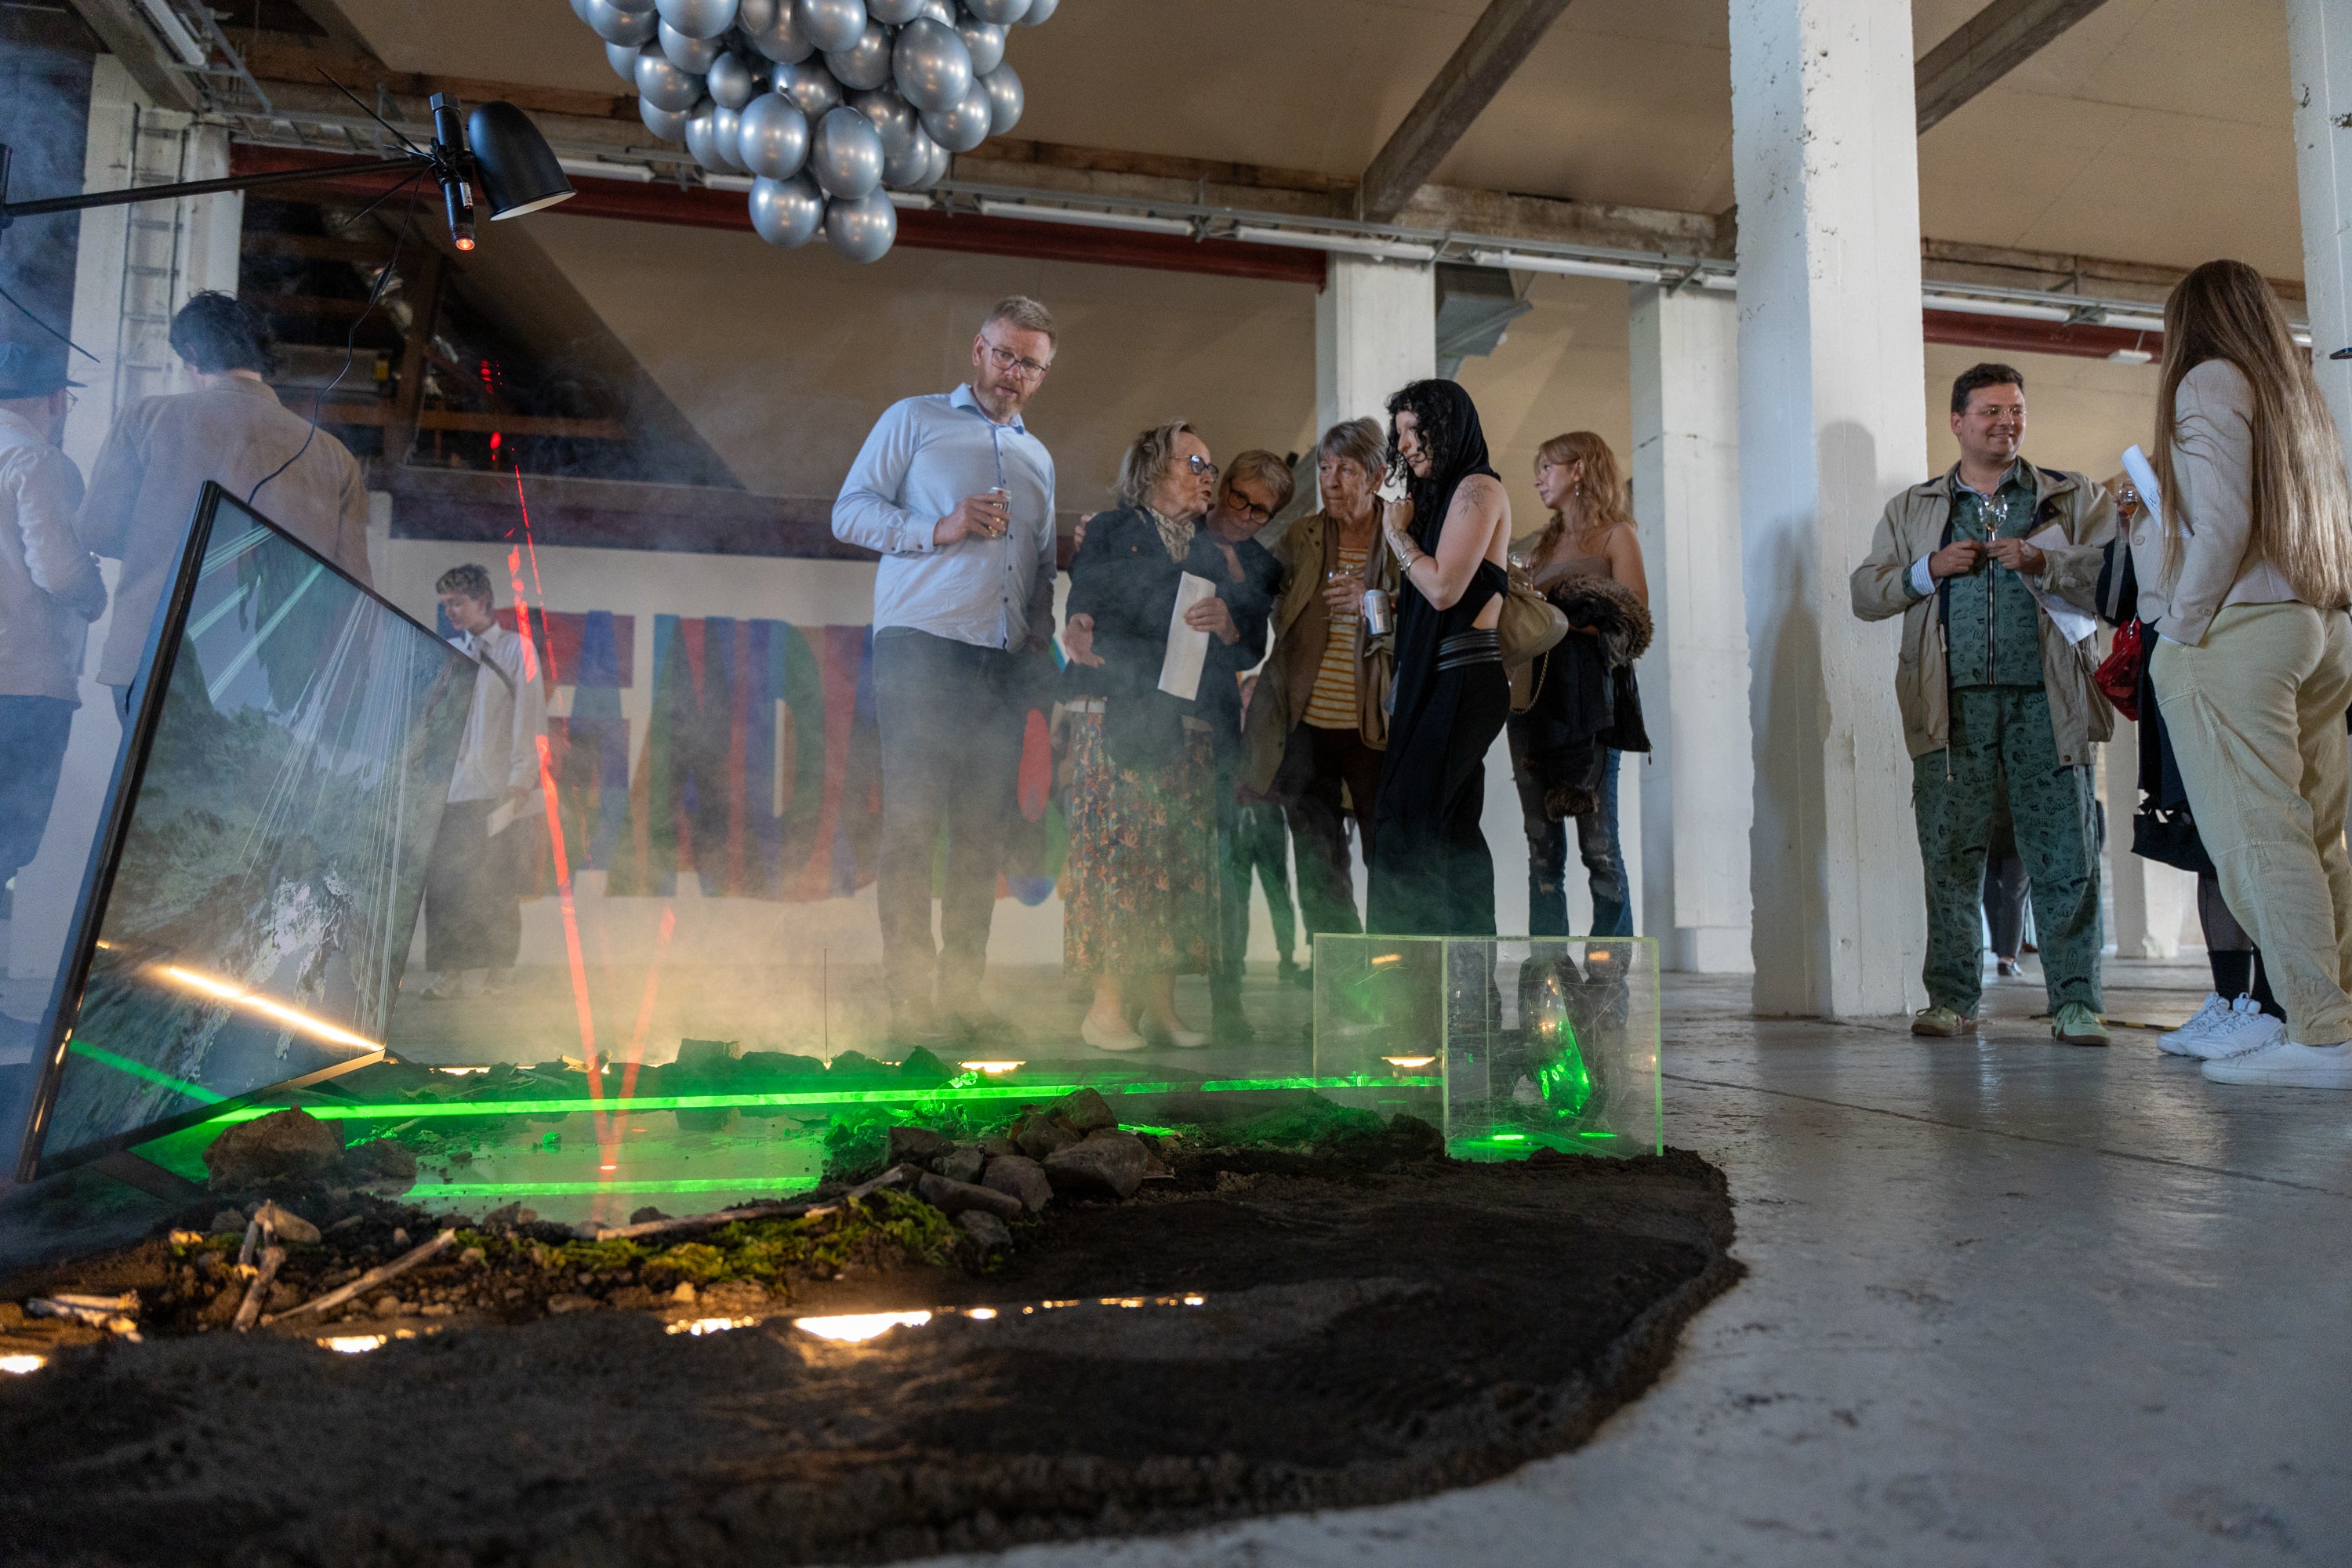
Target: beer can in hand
{"type": "Point", "coordinates": [1380, 617]}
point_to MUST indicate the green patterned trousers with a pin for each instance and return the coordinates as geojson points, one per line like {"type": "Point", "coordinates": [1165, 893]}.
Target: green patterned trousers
{"type": "Point", "coordinates": [2001, 738]}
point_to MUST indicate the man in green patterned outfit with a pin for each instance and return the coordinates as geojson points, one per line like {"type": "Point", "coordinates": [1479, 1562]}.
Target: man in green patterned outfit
{"type": "Point", "coordinates": [1995, 696]}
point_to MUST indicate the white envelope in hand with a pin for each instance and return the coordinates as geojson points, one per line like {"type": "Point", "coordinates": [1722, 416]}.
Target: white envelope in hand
{"type": "Point", "coordinates": [1188, 649]}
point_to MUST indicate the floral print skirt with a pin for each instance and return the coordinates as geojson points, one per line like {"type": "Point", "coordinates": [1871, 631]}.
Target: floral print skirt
{"type": "Point", "coordinates": [1140, 896]}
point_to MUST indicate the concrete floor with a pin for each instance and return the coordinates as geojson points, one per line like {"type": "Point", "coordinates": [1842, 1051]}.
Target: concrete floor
{"type": "Point", "coordinates": [2010, 1303]}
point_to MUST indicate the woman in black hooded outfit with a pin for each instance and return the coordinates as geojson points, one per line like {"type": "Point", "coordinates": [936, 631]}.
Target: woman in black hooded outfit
{"type": "Point", "coordinates": [1430, 873]}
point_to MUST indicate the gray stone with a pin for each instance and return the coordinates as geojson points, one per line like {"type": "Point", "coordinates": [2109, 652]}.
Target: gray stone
{"type": "Point", "coordinates": [1041, 1136]}
{"type": "Point", "coordinates": [1083, 1112]}
{"type": "Point", "coordinates": [1022, 1177]}
{"type": "Point", "coordinates": [998, 1147]}
{"type": "Point", "coordinates": [917, 1145]}
{"type": "Point", "coordinates": [1108, 1164]}
{"type": "Point", "coordinates": [289, 1144]}
{"type": "Point", "coordinates": [557, 1306]}
{"type": "Point", "coordinates": [227, 1220]}
{"type": "Point", "coordinates": [962, 1165]}
{"type": "Point", "coordinates": [285, 1225]}
{"type": "Point", "coordinates": [988, 1233]}
{"type": "Point", "coordinates": [960, 1197]}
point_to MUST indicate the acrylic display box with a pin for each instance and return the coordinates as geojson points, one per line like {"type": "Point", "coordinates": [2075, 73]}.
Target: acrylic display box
{"type": "Point", "coordinates": [1508, 1044]}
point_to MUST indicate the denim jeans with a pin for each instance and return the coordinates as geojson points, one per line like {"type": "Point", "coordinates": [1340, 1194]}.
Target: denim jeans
{"type": "Point", "coordinates": [1604, 865]}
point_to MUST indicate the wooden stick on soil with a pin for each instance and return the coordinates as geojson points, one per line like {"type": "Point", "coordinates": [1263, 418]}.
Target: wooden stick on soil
{"type": "Point", "coordinates": [890, 1177]}
{"type": "Point", "coordinates": [369, 1281]}
{"type": "Point", "coordinates": [249, 1311]}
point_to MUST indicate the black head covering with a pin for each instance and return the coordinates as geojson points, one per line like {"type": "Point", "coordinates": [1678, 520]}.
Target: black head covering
{"type": "Point", "coordinates": [1456, 444]}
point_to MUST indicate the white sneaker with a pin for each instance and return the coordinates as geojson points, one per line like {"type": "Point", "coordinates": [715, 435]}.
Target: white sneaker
{"type": "Point", "coordinates": [2244, 1027]}
{"type": "Point", "coordinates": [2286, 1066]}
{"type": "Point", "coordinates": [2174, 1042]}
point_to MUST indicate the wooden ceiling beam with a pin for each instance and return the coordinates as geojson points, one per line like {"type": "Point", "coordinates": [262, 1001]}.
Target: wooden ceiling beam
{"type": "Point", "coordinates": [131, 38]}
{"type": "Point", "coordinates": [1499, 40]}
{"type": "Point", "coordinates": [1987, 47]}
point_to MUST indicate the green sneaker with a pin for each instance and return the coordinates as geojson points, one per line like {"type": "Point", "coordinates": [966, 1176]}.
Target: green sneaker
{"type": "Point", "coordinates": [2076, 1025]}
{"type": "Point", "coordinates": [1942, 1023]}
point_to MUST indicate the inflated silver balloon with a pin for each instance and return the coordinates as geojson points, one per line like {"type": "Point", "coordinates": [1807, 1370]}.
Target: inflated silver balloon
{"type": "Point", "coordinates": [757, 15]}
{"type": "Point", "coordinates": [781, 39]}
{"type": "Point", "coordinates": [787, 212]}
{"type": "Point", "coordinates": [965, 126]}
{"type": "Point", "coordinates": [624, 61]}
{"type": "Point", "coordinates": [692, 56]}
{"type": "Point", "coordinates": [941, 161]}
{"type": "Point", "coordinates": [904, 168]}
{"type": "Point", "coordinates": [668, 124]}
{"type": "Point", "coordinates": [702, 137]}
{"type": "Point", "coordinates": [893, 13]}
{"type": "Point", "coordinates": [932, 67]}
{"type": "Point", "coordinates": [731, 80]}
{"type": "Point", "coordinates": [773, 137]}
{"type": "Point", "coordinates": [698, 19]}
{"type": "Point", "coordinates": [866, 65]}
{"type": "Point", "coordinates": [615, 25]}
{"type": "Point", "coordinates": [831, 25]}
{"type": "Point", "coordinates": [1005, 99]}
{"type": "Point", "coordinates": [1039, 10]}
{"type": "Point", "coordinates": [939, 11]}
{"type": "Point", "coordinates": [846, 154]}
{"type": "Point", "coordinates": [1003, 12]}
{"type": "Point", "coordinates": [986, 42]}
{"type": "Point", "coordinates": [726, 128]}
{"type": "Point", "coordinates": [663, 85]}
{"type": "Point", "coordinates": [862, 229]}
{"type": "Point", "coordinates": [811, 87]}
{"type": "Point", "coordinates": [893, 117]}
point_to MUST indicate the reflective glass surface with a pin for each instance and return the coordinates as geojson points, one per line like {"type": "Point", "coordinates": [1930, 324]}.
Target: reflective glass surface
{"type": "Point", "coordinates": [261, 908]}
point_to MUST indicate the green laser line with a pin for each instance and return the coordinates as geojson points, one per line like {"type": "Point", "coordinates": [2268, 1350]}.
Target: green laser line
{"type": "Point", "coordinates": [105, 1057]}
{"type": "Point", "coordinates": [577, 1189]}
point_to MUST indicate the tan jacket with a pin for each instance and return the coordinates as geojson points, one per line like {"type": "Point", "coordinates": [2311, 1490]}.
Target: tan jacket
{"type": "Point", "coordinates": [143, 488]}
{"type": "Point", "coordinates": [2213, 467]}
{"type": "Point", "coordinates": [1912, 526]}
{"type": "Point", "coordinates": [1302, 627]}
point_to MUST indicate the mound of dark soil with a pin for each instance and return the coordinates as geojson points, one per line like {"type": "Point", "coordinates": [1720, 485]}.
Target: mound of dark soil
{"type": "Point", "coordinates": [1364, 1328]}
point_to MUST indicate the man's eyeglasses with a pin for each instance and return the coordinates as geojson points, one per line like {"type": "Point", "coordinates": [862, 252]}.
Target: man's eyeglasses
{"type": "Point", "coordinates": [1007, 363]}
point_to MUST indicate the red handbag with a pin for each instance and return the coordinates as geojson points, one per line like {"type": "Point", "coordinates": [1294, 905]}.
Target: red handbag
{"type": "Point", "coordinates": [2119, 674]}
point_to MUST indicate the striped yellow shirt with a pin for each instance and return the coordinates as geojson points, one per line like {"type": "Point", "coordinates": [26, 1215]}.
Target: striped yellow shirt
{"type": "Point", "coordinates": [1332, 705]}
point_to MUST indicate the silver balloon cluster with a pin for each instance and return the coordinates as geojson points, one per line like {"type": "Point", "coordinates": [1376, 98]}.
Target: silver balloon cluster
{"type": "Point", "coordinates": [828, 104]}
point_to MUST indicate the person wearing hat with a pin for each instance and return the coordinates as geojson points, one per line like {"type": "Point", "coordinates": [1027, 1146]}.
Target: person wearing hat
{"type": "Point", "coordinates": [49, 593]}
{"type": "Point", "coordinates": [231, 429]}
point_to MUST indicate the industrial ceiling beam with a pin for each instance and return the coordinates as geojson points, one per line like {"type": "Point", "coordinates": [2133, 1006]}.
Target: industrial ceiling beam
{"type": "Point", "coordinates": [131, 38]}
{"type": "Point", "coordinates": [1499, 41]}
{"type": "Point", "coordinates": [1987, 47]}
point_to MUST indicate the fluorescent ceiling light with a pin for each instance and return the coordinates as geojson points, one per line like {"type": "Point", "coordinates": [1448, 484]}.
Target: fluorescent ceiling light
{"type": "Point", "coordinates": [597, 169]}
{"type": "Point", "coordinates": [920, 201]}
{"type": "Point", "coordinates": [2131, 323]}
{"type": "Point", "coordinates": [728, 182]}
{"type": "Point", "coordinates": [1962, 304]}
{"type": "Point", "coordinates": [1568, 266]}
{"type": "Point", "coordinates": [175, 33]}
{"type": "Point", "coordinates": [1304, 239]}
{"type": "Point", "coordinates": [1090, 217]}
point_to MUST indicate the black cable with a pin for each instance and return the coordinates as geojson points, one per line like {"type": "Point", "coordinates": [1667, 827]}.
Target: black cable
{"type": "Point", "coordinates": [350, 337]}
{"type": "Point", "coordinates": [46, 326]}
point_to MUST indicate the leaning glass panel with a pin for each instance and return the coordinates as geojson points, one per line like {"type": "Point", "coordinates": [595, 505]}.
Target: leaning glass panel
{"type": "Point", "coordinates": [284, 778]}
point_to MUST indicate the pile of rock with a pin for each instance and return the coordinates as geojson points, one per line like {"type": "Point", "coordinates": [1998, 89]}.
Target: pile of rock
{"type": "Point", "coordinates": [293, 1147]}
{"type": "Point", "coordinates": [1074, 1148]}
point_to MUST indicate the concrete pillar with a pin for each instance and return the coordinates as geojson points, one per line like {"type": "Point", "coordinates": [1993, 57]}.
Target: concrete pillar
{"type": "Point", "coordinates": [1375, 328]}
{"type": "Point", "coordinates": [2319, 58]}
{"type": "Point", "coordinates": [2151, 900]}
{"type": "Point", "coordinates": [1697, 787]}
{"type": "Point", "coordinates": [1830, 423]}
{"type": "Point", "coordinates": [133, 267]}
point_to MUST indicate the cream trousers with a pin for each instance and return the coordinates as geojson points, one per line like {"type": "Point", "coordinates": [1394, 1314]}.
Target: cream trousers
{"type": "Point", "coordinates": [2256, 716]}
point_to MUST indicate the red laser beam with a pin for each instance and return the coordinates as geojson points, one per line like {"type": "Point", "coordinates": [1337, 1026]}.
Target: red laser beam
{"type": "Point", "coordinates": [646, 1007]}
{"type": "Point", "coordinates": [570, 922]}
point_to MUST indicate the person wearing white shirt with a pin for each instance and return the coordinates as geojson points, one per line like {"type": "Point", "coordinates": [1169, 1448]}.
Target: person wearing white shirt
{"type": "Point", "coordinates": [957, 497]}
{"type": "Point", "coordinates": [473, 893]}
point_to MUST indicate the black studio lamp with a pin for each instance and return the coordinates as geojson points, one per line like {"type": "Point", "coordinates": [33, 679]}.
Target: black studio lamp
{"type": "Point", "coordinates": [499, 148]}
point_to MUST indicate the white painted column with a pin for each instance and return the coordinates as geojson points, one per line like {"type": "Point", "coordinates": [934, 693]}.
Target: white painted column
{"type": "Point", "coordinates": [2319, 58]}
{"type": "Point", "coordinates": [135, 266]}
{"type": "Point", "coordinates": [1375, 328]}
{"type": "Point", "coordinates": [1830, 423]}
{"type": "Point", "coordinates": [1696, 788]}
{"type": "Point", "coordinates": [2151, 900]}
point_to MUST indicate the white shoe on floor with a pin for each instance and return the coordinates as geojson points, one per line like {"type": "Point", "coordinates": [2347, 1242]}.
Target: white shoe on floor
{"type": "Point", "coordinates": [2175, 1042]}
{"type": "Point", "coordinates": [2244, 1027]}
{"type": "Point", "coordinates": [1183, 1040]}
{"type": "Point", "coordinates": [1104, 1038]}
{"type": "Point", "coordinates": [2283, 1064]}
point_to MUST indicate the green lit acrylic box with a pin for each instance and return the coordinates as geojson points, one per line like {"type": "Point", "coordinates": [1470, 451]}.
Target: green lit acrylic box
{"type": "Point", "coordinates": [1509, 1044]}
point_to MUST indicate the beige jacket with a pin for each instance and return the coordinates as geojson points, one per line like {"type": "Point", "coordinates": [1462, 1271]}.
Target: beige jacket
{"type": "Point", "coordinates": [50, 587]}
{"type": "Point", "coordinates": [1912, 526]}
{"type": "Point", "coordinates": [1301, 626]}
{"type": "Point", "coordinates": [2212, 467]}
{"type": "Point", "coordinates": [143, 489]}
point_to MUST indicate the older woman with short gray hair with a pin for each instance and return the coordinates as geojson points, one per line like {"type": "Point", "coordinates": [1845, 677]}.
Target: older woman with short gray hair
{"type": "Point", "coordinates": [1140, 906]}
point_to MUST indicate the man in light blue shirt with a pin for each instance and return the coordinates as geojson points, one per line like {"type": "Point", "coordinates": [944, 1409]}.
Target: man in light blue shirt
{"type": "Point", "coordinates": [957, 496]}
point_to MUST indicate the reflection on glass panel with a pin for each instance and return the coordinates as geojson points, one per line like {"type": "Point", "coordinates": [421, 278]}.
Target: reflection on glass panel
{"type": "Point", "coordinates": [263, 901]}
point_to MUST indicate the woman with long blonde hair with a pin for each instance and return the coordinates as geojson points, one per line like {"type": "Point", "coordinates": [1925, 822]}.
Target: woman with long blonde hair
{"type": "Point", "coordinates": [2252, 578]}
{"type": "Point", "coordinates": [1590, 535]}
